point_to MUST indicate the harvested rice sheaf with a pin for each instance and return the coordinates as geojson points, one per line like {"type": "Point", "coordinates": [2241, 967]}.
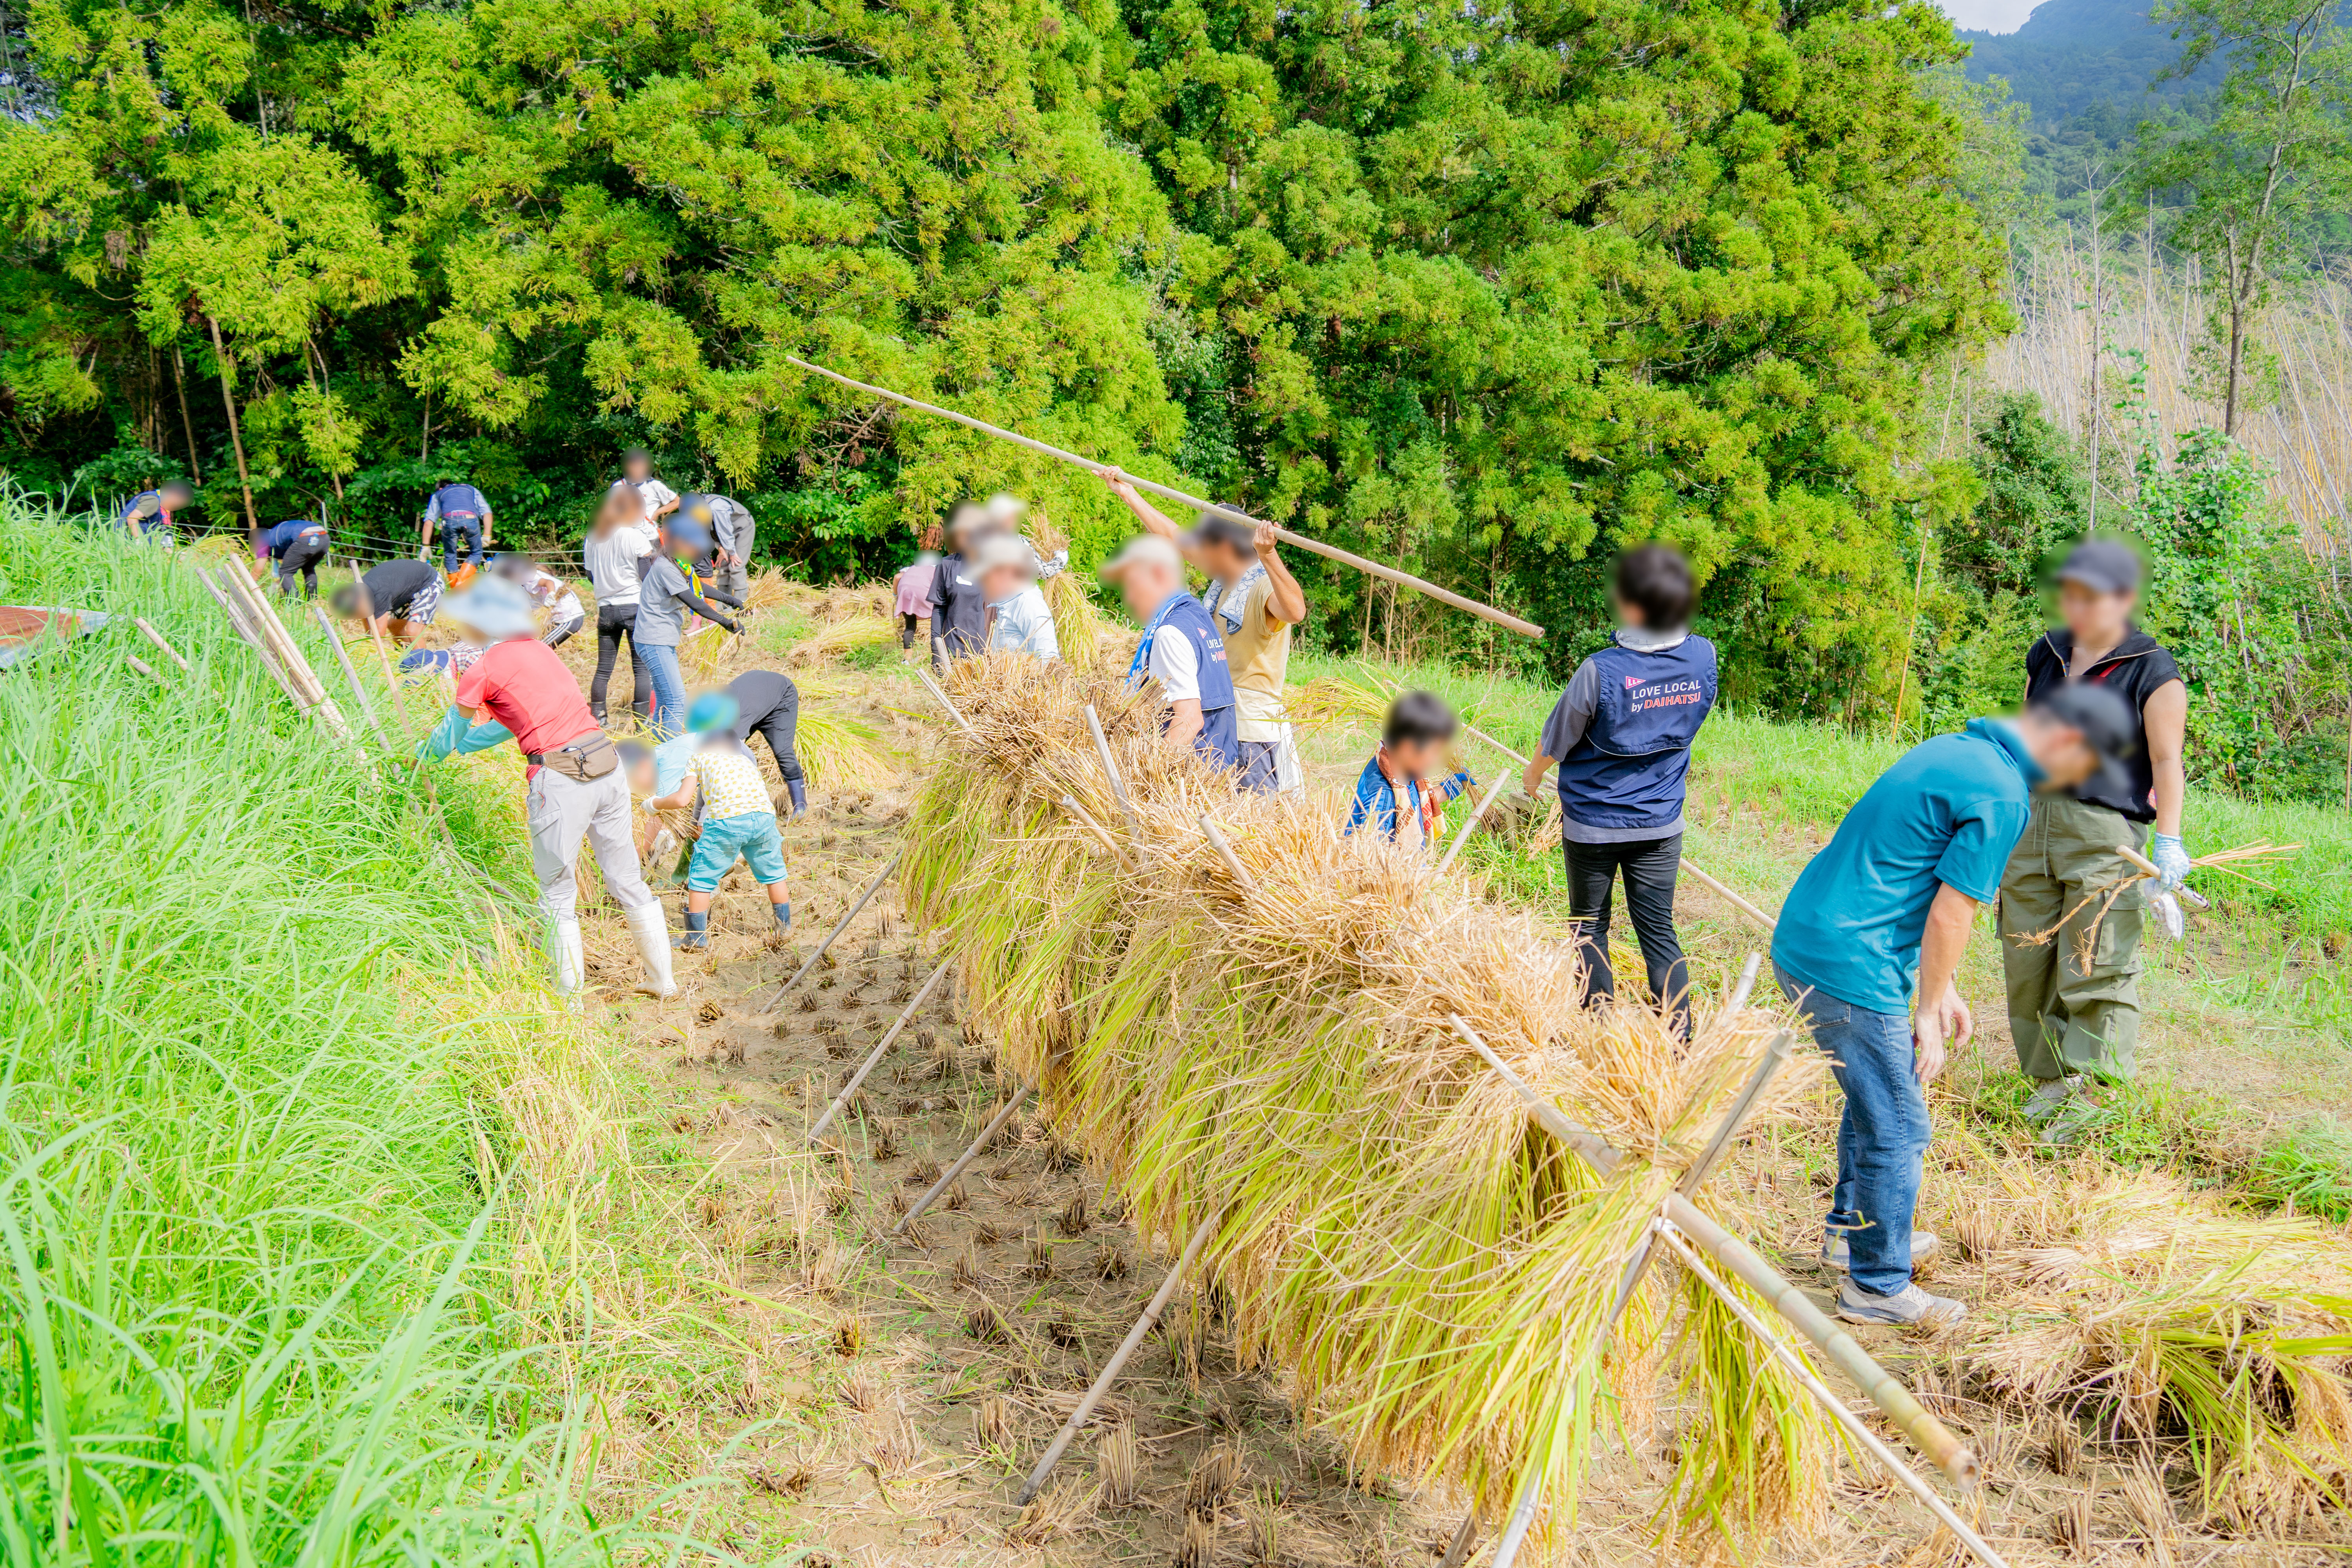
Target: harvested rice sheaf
{"type": "Point", "coordinates": [1435, 1272]}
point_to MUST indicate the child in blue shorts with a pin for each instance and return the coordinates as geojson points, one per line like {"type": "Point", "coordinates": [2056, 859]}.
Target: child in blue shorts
{"type": "Point", "coordinates": [737, 820]}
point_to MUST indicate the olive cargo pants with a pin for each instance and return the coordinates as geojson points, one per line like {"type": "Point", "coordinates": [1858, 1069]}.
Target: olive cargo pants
{"type": "Point", "coordinates": [2064, 1015]}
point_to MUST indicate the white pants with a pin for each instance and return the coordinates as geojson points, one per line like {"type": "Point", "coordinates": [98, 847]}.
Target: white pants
{"type": "Point", "coordinates": [562, 811]}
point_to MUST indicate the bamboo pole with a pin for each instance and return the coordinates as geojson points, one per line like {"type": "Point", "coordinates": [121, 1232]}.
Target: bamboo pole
{"type": "Point", "coordinates": [1470, 825]}
{"type": "Point", "coordinates": [953, 712]}
{"type": "Point", "coordinates": [1831, 1404]}
{"type": "Point", "coordinates": [834, 935]}
{"type": "Point", "coordinates": [1464, 1538]}
{"type": "Point", "coordinates": [1312, 546]}
{"type": "Point", "coordinates": [298, 667]}
{"type": "Point", "coordinates": [141, 665]}
{"type": "Point", "coordinates": [1225, 852]}
{"type": "Point", "coordinates": [1071, 806]}
{"type": "Point", "coordinates": [1110, 771]}
{"type": "Point", "coordinates": [359, 695]}
{"type": "Point", "coordinates": [874, 1057]}
{"type": "Point", "coordinates": [1589, 1144]}
{"type": "Point", "coordinates": [1883, 1388]}
{"type": "Point", "coordinates": [1118, 1359]}
{"type": "Point", "coordinates": [157, 639]}
{"type": "Point", "coordinates": [251, 638]}
{"type": "Point", "coordinates": [964, 1161]}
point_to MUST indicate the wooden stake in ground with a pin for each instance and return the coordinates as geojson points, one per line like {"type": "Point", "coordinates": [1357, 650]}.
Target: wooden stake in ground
{"type": "Point", "coordinates": [874, 1059]}
{"type": "Point", "coordinates": [156, 638]}
{"type": "Point", "coordinates": [1470, 825]}
{"type": "Point", "coordinates": [359, 695]}
{"type": "Point", "coordinates": [948, 1176]}
{"type": "Point", "coordinates": [953, 712]}
{"type": "Point", "coordinates": [1118, 1359]}
{"type": "Point", "coordinates": [839, 926]}
{"type": "Point", "coordinates": [1312, 546]}
{"type": "Point", "coordinates": [1070, 804]}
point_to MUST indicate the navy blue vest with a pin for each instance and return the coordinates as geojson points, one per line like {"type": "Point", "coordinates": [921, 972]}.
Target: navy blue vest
{"type": "Point", "coordinates": [1218, 740]}
{"type": "Point", "coordinates": [461, 501]}
{"type": "Point", "coordinates": [1628, 770]}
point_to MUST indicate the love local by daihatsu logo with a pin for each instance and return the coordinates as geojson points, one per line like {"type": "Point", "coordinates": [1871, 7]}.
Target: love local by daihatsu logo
{"type": "Point", "coordinates": [1664, 694]}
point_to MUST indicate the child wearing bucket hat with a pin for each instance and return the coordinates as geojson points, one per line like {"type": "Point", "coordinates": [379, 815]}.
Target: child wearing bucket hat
{"type": "Point", "coordinates": [737, 821]}
{"type": "Point", "coordinates": [574, 789]}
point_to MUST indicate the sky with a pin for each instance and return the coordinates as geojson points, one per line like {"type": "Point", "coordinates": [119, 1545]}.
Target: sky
{"type": "Point", "coordinates": [1989, 16]}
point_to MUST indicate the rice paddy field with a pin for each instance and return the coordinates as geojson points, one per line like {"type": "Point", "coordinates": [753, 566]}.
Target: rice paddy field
{"type": "Point", "coordinates": [328, 1232]}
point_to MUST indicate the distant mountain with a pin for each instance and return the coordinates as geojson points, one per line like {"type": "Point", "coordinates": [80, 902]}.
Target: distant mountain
{"type": "Point", "coordinates": [2074, 54]}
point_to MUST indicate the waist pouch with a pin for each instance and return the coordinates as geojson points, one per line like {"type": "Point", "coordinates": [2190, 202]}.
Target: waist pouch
{"type": "Point", "coordinates": [583, 760]}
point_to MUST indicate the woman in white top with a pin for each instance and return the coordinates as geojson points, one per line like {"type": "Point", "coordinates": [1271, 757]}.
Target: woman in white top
{"type": "Point", "coordinates": [613, 546]}
{"type": "Point", "coordinates": [1019, 620]}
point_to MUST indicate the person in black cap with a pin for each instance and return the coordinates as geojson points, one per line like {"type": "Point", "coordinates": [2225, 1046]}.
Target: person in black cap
{"type": "Point", "coordinates": [1869, 942]}
{"type": "Point", "coordinates": [2073, 1022]}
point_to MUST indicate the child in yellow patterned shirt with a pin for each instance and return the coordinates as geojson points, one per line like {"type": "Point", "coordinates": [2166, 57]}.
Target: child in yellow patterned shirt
{"type": "Point", "coordinates": [739, 821]}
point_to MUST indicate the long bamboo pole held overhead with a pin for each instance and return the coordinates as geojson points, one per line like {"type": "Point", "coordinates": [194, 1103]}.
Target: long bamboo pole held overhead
{"type": "Point", "coordinates": [1312, 546]}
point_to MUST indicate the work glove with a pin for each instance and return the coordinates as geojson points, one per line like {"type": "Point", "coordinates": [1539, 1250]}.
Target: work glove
{"type": "Point", "coordinates": [2168, 910]}
{"type": "Point", "coordinates": [2172, 858]}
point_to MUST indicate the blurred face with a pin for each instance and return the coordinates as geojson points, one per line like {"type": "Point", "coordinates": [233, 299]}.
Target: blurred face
{"type": "Point", "coordinates": [177, 496]}
{"type": "Point", "coordinates": [641, 777]}
{"type": "Point", "coordinates": [1146, 587]}
{"type": "Point", "coordinates": [1417, 758]}
{"type": "Point", "coordinates": [638, 468]}
{"type": "Point", "coordinates": [1002, 583]}
{"type": "Point", "coordinates": [2060, 751]}
{"type": "Point", "coordinates": [1222, 560]}
{"type": "Point", "coordinates": [2096, 619]}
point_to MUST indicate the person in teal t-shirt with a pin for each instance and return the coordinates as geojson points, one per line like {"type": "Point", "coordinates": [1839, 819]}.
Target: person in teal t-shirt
{"type": "Point", "coordinates": [1869, 940]}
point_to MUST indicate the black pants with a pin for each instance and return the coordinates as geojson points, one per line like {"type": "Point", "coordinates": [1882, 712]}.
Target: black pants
{"type": "Point", "coordinates": [615, 625]}
{"type": "Point", "coordinates": [907, 630]}
{"type": "Point", "coordinates": [304, 559]}
{"type": "Point", "coordinates": [779, 723]}
{"type": "Point", "coordinates": [1649, 866]}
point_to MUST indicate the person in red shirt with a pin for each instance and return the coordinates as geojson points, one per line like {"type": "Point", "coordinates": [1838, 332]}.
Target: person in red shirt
{"type": "Point", "coordinates": [576, 787]}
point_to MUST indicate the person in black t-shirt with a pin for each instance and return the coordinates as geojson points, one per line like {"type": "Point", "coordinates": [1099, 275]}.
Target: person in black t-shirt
{"type": "Point", "coordinates": [769, 704]}
{"type": "Point", "coordinates": [2075, 1015]}
{"type": "Point", "coordinates": [403, 595]}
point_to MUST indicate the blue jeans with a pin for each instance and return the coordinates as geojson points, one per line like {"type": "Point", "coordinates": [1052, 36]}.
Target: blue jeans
{"type": "Point", "coordinates": [1882, 1136]}
{"type": "Point", "coordinates": [461, 539]}
{"type": "Point", "coordinates": [669, 683]}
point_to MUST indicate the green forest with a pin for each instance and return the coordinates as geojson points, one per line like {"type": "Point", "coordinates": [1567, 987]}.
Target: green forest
{"type": "Point", "coordinates": [1486, 293]}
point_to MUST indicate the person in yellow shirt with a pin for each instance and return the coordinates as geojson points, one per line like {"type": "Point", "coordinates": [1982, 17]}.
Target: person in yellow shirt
{"type": "Point", "coordinates": [1253, 601]}
{"type": "Point", "coordinates": [738, 820]}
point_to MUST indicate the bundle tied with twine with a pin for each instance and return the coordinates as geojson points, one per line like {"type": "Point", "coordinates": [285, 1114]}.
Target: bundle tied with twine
{"type": "Point", "coordinates": [1277, 1055]}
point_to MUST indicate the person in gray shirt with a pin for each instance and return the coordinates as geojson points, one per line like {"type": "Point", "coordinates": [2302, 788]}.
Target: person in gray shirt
{"type": "Point", "coordinates": [1622, 734]}
{"type": "Point", "coordinates": [667, 590]}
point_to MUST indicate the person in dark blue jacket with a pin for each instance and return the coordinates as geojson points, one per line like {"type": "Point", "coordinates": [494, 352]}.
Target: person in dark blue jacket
{"type": "Point", "coordinates": [149, 514]}
{"type": "Point", "coordinates": [464, 518]}
{"type": "Point", "coordinates": [1180, 649]}
{"type": "Point", "coordinates": [1622, 735]}
{"type": "Point", "coordinates": [298, 544]}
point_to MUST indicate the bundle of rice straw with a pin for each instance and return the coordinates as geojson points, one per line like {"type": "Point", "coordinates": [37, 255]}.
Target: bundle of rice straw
{"type": "Point", "coordinates": [1079, 626]}
{"type": "Point", "coordinates": [2169, 1318]}
{"type": "Point", "coordinates": [1437, 1273]}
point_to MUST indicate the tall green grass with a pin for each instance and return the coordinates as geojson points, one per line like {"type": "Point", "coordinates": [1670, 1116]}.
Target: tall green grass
{"type": "Point", "coordinates": [262, 1228]}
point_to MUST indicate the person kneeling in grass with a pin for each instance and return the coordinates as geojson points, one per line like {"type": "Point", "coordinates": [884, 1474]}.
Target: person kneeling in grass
{"type": "Point", "coordinates": [402, 595]}
{"type": "Point", "coordinates": [1869, 941]}
{"type": "Point", "coordinates": [1396, 792]}
{"type": "Point", "coordinates": [737, 821]}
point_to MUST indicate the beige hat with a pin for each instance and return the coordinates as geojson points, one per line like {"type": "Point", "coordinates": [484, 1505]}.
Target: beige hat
{"type": "Point", "coordinates": [1005, 508]}
{"type": "Point", "coordinates": [1143, 549]}
{"type": "Point", "coordinates": [1005, 549]}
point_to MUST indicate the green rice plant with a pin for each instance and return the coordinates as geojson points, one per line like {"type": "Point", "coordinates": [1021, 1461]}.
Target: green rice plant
{"type": "Point", "coordinates": [308, 1190]}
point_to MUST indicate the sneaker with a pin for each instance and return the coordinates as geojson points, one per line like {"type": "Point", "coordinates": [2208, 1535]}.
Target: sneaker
{"type": "Point", "coordinates": [1836, 1254]}
{"type": "Point", "coordinates": [2050, 1096]}
{"type": "Point", "coordinates": [1908, 1306]}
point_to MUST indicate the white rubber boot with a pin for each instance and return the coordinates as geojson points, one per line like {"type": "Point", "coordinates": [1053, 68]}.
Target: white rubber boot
{"type": "Point", "coordinates": [571, 962]}
{"type": "Point", "coordinates": [650, 925]}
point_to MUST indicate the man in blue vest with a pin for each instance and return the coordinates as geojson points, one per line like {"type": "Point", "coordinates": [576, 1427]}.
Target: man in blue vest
{"type": "Point", "coordinates": [298, 545]}
{"type": "Point", "coordinates": [1621, 733]}
{"type": "Point", "coordinates": [464, 518]}
{"type": "Point", "coordinates": [1180, 650]}
{"type": "Point", "coordinates": [148, 515]}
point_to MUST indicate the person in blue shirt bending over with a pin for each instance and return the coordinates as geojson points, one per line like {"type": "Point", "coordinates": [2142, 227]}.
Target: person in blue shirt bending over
{"type": "Point", "coordinates": [464, 518]}
{"type": "Point", "coordinates": [1622, 734]}
{"type": "Point", "coordinates": [148, 514]}
{"type": "Point", "coordinates": [1870, 938]}
{"type": "Point", "coordinates": [298, 544]}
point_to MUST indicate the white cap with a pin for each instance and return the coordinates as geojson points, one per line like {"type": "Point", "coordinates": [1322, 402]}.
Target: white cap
{"type": "Point", "coordinates": [1143, 549]}
{"type": "Point", "coordinates": [1005, 508]}
{"type": "Point", "coordinates": [1005, 549]}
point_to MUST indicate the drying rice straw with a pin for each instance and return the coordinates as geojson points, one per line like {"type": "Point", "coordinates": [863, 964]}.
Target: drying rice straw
{"type": "Point", "coordinates": [1830, 1402]}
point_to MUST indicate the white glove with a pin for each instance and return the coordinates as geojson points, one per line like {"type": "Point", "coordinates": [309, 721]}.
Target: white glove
{"type": "Point", "coordinates": [2168, 909]}
{"type": "Point", "coordinates": [665, 845]}
{"type": "Point", "coordinates": [2172, 858]}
